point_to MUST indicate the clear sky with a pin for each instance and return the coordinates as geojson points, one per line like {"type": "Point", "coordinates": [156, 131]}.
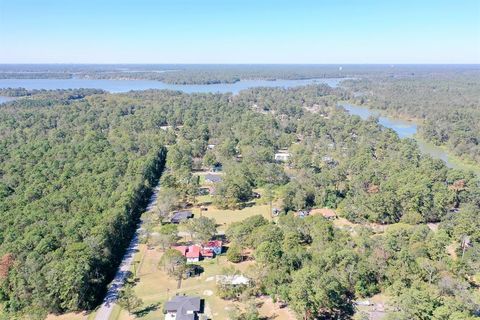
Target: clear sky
{"type": "Point", "coordinates": [239, 31]}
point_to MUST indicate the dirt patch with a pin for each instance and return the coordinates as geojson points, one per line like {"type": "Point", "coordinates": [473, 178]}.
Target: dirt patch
{"type": "Point", "coordinates": [451, 250]}
{"type": "Point", "coordinates": [378, 309]}
{"type": "Point", "coordinates": [433, 226]}
{"type": "Point", "coordinates": [71, 316]}
{"type": "Point", "coordinates": [208, 293]}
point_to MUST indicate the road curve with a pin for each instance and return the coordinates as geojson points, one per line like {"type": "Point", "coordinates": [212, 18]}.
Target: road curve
{"type": "Point", "coordinates": [105, 310]}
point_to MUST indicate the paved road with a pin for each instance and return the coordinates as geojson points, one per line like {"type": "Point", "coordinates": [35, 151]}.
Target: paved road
{"type": "Point", "coordinates": [106, 308]}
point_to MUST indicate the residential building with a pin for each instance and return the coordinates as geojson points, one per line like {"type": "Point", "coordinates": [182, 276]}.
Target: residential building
{"type": "Point", "coordinates": [183, 308]}
{"type": "Point", "coordinates": [213, 178]}
{"type": "Point", "coordinates": [180, 216]}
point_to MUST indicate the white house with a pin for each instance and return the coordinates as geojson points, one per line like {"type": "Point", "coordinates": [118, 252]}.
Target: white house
{"type": "Point", "coordinates": [282, 155]}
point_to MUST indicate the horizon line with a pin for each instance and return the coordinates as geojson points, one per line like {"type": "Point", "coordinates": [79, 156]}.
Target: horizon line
{"type": "Point", "coordinates": [239, 63]}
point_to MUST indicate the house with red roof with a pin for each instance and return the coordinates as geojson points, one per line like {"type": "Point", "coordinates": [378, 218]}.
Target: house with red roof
{"type": "Point", "coordinates": [213, 245]}
{"type": "Point", "coordinates": [194, 253]}
{"type": "Point", "coordinates": [207, 253]}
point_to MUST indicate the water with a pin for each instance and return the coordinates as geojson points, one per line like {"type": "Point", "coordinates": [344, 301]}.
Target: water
{"type": "Point", "coordinates": [5, 99]}
{"type": "Point", "coordinates": [116, 86]}
{"type": "Point", "coordinates": [405, 129]}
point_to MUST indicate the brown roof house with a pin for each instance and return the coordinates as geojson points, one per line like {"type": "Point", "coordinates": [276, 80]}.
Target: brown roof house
{"type": "Point", "coordinates": [325, 212]}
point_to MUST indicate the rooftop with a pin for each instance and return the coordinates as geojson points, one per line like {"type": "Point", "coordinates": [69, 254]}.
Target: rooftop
{"type": "Point", "coordinates": [189, 251]}
{"type": "Point", "coordinates": [181, 215]}
{"type": "Point", "coordinates": [213, 178]}
{"type": "Point", "coordinates": [184, 306]}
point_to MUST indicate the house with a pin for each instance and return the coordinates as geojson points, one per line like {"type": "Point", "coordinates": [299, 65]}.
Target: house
{"type": "Point", "coordinates": [180, 216]}
{"type": "Point", "coordinates": [213, 178]}
{"type": "Point", "coordinates": [165, 128]}
{"type": "Point", "coordinates": [325, 212]}
{"type": "Point", "coordinates": [303, 213]}
{"type": "Point", "coordinates": [327, 159]}
{"type": "Point", "coordinates": [183, 308]}
{"type": "Point", "coordinates": [192, 253]}
{"type": "Point", "coordinates": [207, 253]}
{"type": "Point", "coordinates": [215, 245]}
{"type": "Point", "coordinates": [282, 156]}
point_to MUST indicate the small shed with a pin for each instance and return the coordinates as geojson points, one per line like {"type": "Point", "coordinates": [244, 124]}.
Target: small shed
{"type": "Point", "coordinates": [213, 178]}
{"type": "Point", "coordinates": [282, 156]}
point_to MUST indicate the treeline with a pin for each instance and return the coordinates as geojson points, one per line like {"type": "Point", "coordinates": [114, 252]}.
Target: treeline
{"type": "Point", "coordinates": [448, 105]}
{"type": "Point", "coordinates": [212, 74]}
{"type": "Point", "coordinates": [60, 93]}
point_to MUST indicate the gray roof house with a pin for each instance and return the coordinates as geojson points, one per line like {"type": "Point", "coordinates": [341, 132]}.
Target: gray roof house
{"type": "Point", "coordinates": [213, 178]}
{"type": "Point", "coordinates": [183, 308]}
{"type": "Point", "coordinates": [181, 216]}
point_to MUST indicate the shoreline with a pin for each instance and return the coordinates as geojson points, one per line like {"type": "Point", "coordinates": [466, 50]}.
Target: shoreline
{"type": "Point", "coordinates": [450, 158]}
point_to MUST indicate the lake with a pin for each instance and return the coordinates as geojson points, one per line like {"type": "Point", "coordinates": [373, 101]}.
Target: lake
{"type": "Point", "coordinates": [116, 86]}
{"type": "Point", "coordinates": [404, 129]}
{"type": "Point", "coordinates": [5, 99]}
{"type": "Point", "coordinates": [407, 129]}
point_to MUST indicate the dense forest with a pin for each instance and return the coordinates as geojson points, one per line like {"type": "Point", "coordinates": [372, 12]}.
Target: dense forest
{"type": "Point", "coordinates": [211, 74]}
{"type": "Point", "coordinates": [77, 167]}
{"type": "Point", "coordinates": [447, 104]}
{"type": "Point", "coordinates": [175, 74]}
{"type": "Point", "coordinates": [75, 175]}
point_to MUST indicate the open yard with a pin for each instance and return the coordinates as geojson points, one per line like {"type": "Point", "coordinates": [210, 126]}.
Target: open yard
{"type": "Point", "coordinates": [72, 316]}
{"type": "Point", "coordinates": [155, 287]}
{"type": "Point", "coordinates": [225, 217]}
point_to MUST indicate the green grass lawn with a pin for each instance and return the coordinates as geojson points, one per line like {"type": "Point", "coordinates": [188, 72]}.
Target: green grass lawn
{"type": "Point", "coordinates": [224, 217]}
{"type": "Point", "coordinates": [155, 287]}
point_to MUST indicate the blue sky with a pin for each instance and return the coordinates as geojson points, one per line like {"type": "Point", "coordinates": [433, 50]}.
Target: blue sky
{"type": "Point", "coordinates": [239, 31]}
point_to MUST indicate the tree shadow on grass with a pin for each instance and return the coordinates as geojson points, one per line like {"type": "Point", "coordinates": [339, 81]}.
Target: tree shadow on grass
{"type": "Point", "coordinates": [146, 310]}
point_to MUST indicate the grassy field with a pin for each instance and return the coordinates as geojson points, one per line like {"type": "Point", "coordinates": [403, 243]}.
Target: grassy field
{"type": "Point", "coordinates": [72, 316]}
{"type": "Point", "coordinates": [225, 217]}
{"type": "Point", "coordinates": [155, 287]}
